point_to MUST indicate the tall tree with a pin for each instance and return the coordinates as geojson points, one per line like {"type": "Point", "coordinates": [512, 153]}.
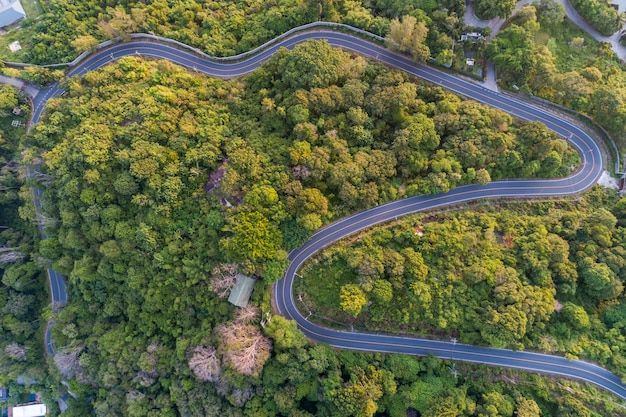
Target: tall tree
{"type": "Point", "coordinates": [512, 50]}
{"type": "Point", "coordinates": [408, 35]}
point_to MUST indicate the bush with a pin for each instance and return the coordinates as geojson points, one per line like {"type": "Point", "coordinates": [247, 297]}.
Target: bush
{"type": "Point", "coordinates": [599, 14]}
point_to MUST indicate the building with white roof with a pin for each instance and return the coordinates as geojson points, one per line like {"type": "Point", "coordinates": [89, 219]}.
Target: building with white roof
{"type": "Point", "coordinates": [11, 11]}
{"type": "Point", "coordinates": [33, 410]}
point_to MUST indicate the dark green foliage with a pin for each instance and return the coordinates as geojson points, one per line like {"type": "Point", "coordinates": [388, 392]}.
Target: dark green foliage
{"type": "Point", "coordinates": [550, 13]}
{"type": "Point", "coordinates": [219, 28]}
{"type": "Point", "coordinates": [166, 178]}
{"type": "Point", "coordinates": [294, 236]}
{"type": "Point", "coordinates": [488, 9]}
{"type": "Point", "coordinates": [512, 51]}
{"type": "Point", "coordinates": [489, 278]}
{"type": "Point", "coordinates": [600, 14]}
{"type": "Point", "coordinates": [23, 294]}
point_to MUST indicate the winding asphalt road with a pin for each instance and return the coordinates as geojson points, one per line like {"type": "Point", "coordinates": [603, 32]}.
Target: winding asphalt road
{"type": "Point", "coordinates": [584, 178]}
{"type": "Point", "coordinates": [55, 280]}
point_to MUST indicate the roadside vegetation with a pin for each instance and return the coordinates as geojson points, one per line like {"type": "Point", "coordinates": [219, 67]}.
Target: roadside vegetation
{"type": "Point", "coordinates": [542, 52]}
{"type": "Point", "coordinates": [24, 299]}
{"type": "Point", "coordinates": [592, 83]}
{"type": "Point", "coordinates": [220, 28]}
{"type": "Point", "coordinates": [540, 276]}
{"type": "Point", "coordinates": [488, 9]}
{"type": "Point", "coordinates": [161, 185]}
{"type": "Point", "coordinates": [167, 179]}
{"type": "Point", "coordinates": [600, 14]}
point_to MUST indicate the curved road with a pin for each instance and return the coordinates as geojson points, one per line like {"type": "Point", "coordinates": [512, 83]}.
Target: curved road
{"type": "Point", "coordinates": [584, 178]}
{"type": "Point", "coordinates": [55, 280]}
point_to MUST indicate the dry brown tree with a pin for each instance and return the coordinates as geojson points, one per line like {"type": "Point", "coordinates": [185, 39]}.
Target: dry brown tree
{"type": "Point", "coordinates": [10, 255]}
{"type": "Point", "coordinates": [223, 279]}
{"type": "Point", "coordinates": [67, 362]}
{"type": "Point", "coordinates": [16, 352]}
{"type": "Point", "coordinates": [205, 363]}
{"type": "Point", "coordinates": [244, 348]}
{"type": "Point", "coordinates": [247, 314]}
{"type": "Point", "coordinates": [134, 395]}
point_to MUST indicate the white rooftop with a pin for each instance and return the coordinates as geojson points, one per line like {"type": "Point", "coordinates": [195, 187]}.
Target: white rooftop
{"type": "Point", "coordinates": [11, 11]}
{"type": "Point", "coordinates": [621, 5]}
{"type": "Point", "coordinates": [15, 46]}
{"type": "Point", "coordinates": [34, 410]}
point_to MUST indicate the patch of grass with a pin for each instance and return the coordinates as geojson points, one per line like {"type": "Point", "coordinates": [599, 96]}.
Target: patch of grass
{"type": "Point", "coordinates": [571, 58]}
{"type": "Point", "coordinates": [23, 36]}
{"type": "Point", "coordinates": [323, 281]}
{"type": "Point", "coordinates": [32, 8]}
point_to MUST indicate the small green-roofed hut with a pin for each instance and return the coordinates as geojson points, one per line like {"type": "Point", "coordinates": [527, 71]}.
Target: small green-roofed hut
{"type": "Point", "coordinates": [240, 294]}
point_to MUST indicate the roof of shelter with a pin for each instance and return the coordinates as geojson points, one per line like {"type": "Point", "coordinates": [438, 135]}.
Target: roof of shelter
{"type": "Point", "coordinates": [240, 294]}
{"type": "Point", "coordinates": [11, 11]}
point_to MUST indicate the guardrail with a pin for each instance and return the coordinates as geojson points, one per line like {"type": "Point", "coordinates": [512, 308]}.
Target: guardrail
{"type": "Point", "coordinates": [197, 51]}
{"type": "Point", "coordinates": [583, 119]}
{"type": "Point", "coordinates": [309, 26]}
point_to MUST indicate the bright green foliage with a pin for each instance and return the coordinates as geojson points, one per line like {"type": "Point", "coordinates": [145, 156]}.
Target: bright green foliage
{"type": "Point", "coordinates": [490, 278]}
{"type": "Point", "coordinates": [359, 396]}
{"type": "Point", "coordinates": [576, 316]}
{"type": "Point", "coordinates": [495, 405]}
{"type": "Point", "coordinates": [311, 65]}
{"type": "Point", "coordinates": [285, 333]}
{"type": "Point", "coordinates": [218, 28]}
{"type": "Point", "coordinates": [512, 52]}
{"type": "Point", "coordinates": [569, 406]}
{"type": "Point", "coordinates": [526, 408]}
{"type": "Point", "coordinates": [275, 268]}
{"type": "Point", "coordinates": [600, 14]}
{"type": "Point", "coordinates": [8, 99]}
{"type": "Point", "coordinates": [408, 35]}
{"type": "Point", "coordinates": [254, 237]}
{"type": "Point", "coordinates": [454, 405]}
{"type": "Point", "coordinates": [352, 299]}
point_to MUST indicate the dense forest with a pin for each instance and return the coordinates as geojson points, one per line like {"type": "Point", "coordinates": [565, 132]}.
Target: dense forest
{"type": "Point", "coordinates": [23, 289]}
{"type": "Point", "coordinates": [161, 185]}
{"type": "Point", "coordinates": [547, 276]}
{"type": "Point", "coordinates": [217, 27]}
{"type": "Point", "coordinates": [539, 49]}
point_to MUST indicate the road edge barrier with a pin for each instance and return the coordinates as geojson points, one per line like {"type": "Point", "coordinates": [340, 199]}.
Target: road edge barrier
{"type": "Point", "coordinates": [585, 119]}
{"type": "Point", "coordinates": [582, 120]}
{"type": "Point", "coordinates": [233, 58]}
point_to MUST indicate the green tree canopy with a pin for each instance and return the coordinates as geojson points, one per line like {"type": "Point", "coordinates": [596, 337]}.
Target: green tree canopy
{"type": "Point", "coordinates": [408, 35]}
